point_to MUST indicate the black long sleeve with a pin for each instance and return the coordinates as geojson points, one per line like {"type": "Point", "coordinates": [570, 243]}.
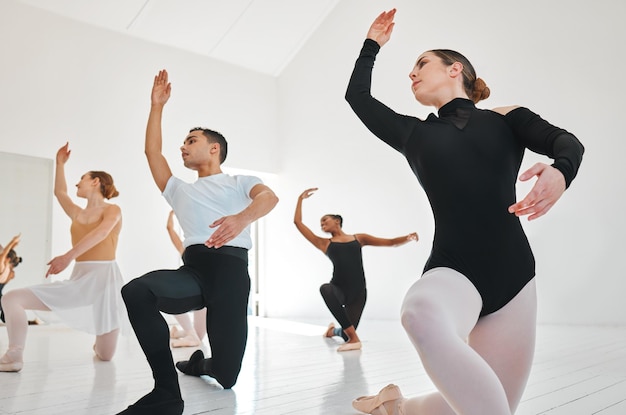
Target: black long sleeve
{"type": "Point", "coordinates": [540, 136]}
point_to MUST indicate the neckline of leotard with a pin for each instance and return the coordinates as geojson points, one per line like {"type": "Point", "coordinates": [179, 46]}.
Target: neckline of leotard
{"type": "Point", "coordinates": [91, 224]}
{"type": "Point", "coordinates": [451, 107]}
{"type": "Point", "coordinates": [458, 112]}
{"type": "Point", "coordinates": [347, 242]}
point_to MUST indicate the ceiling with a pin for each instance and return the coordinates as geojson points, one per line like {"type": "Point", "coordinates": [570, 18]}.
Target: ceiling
{"type": "Point", "coordinates": [261, 35]}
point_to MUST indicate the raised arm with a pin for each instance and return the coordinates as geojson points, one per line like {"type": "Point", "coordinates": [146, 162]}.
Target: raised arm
{"type": "Point", "coordinates": [228, 227]}
{"type": "Point", "coordinates": [178, 244]}
{"type": "Point", "coordinates": [159, 168]}
{"type": "Point", "coordinates": [60, 184]}
{"type": "Point", "coordinates": [365, 239]}
{"type": "Point", "coordinates": [318, 242]}
{"type": "Point", "coordinates": [394, 129]}
{"type": "Point", "coordinates": [381, 28]}
{"type": "Point", "coordinates": [112, 216]}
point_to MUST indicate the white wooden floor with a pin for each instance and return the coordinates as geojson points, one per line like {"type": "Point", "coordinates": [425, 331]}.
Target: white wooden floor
{"type": "Point", "coordinates": [290, 369]}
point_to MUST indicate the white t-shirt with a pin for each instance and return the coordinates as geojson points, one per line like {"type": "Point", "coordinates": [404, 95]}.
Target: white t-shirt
{"type": "Point", "coordinates": [199, 204]}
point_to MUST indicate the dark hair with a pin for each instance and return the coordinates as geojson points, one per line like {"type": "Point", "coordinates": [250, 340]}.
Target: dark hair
{"type": "Point", "coordinates": [336, 217]}
{"type": "Point", "coordinates": [14, 260]}
{"type": "Point", "coordinates": [107, 188]}
{"type": "Point", "coordinates": [475, 88]}
{"type": "Point", "coordinates": [214, 137]}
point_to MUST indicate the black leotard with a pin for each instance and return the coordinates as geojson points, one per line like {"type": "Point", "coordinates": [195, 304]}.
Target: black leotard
{"type": "Point", "coordinates": [348, 271]}
{"type": "Point", "coordinates": [467, 161]}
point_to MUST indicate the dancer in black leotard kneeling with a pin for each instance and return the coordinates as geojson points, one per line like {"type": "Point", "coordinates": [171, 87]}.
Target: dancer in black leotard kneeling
{"type": "Point", "coordinates": [345, 295]}
{"type": "Point", "coordinates": [472, 315]}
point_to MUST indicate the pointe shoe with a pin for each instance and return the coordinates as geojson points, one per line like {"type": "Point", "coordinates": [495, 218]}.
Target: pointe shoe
{"type": "Point", "coordinates": [369, 404]}
{"type": "Point", "coordinates": [175, 333]}
{"type": "Point", "coordinates": [329, 331]}
{"type": "Point", "coordinates": [349, 346]}
{"type": "Point", "coordinates": [190, 340]}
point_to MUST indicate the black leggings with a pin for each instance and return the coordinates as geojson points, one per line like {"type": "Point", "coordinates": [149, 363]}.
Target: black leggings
{"type": "Point", "coordinates": [219, 282]}
{"type": "Point", "coordinates": [346, 314]}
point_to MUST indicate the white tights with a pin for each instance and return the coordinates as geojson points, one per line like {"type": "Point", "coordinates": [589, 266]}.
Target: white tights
{"type": "Point", "coordinates": [479, 366]}
{"type": "Point", "coordinates": [16, 302]}
{"type": "Point", "coordinates": [198, 325]}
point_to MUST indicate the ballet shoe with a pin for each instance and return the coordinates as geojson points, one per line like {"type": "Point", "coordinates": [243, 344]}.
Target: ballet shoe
{"type": "Point", "coordinates": [190, 340]}
{"type": "Point", "coordinates": [12, 363]}
{"type": "Point", "coordinates": [175, 333]}
{"type": "Point", "coordinates": [159, 402]}
{"type": "Point", "coordinates": [11, 366]}
{"type": "Point", "coordinates": [194, 366]}
{"type": "Point", "coordinates": [329, 331]}
{"type": "Point", "coordinates": [390, 394]}
{"type": "Point", "coordinates": [349, 346]}
{"type": "Point", "coordinates": [394, 407]}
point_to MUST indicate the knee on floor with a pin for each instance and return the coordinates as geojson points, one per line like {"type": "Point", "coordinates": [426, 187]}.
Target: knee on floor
{"type": "Point", "coordinates": [104, 355]}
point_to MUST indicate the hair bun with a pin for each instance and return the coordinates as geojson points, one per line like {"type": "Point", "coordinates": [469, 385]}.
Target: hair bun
{"type": "Point", "coordinates": [112, 192]}
{"type": "Point", "coordinates": [481, 90]}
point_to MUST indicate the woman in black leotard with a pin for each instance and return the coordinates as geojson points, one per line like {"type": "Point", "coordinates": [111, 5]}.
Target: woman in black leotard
{"type": "Point", "coordinates": [346, 293]}
{"type": "Point", "coordinates": [472, 315]}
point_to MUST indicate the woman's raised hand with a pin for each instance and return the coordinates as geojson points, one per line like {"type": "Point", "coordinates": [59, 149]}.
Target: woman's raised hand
{"type": "Point", "coordinates": [63, 154]}
{"type": "Point", "coordinates": [380, 30]}
{"type": "Point", "coordinates": [308, 193]}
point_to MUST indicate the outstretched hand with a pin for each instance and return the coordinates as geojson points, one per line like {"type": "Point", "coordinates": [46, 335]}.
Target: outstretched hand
{"type": "Point", "coordinates": [161, 88]}
{"type": "Point", "coordinates": [380, 30]}
{"type": "Point", "coordinates": [63, 154]}
{"type": "Point", "coordinates": [412, 236]}
{"type": "Point", "coordinates": [307, 193]}
{"type": "Point", "coordinates": [547, 190]}
{"type": "Point", "coordinates": [58, 264]}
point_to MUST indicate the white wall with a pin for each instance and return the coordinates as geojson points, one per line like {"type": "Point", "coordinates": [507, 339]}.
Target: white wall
{"type": "Point", "coordinates": [62, 80]}
{"type": "Point", "coordinates": [562, 59]}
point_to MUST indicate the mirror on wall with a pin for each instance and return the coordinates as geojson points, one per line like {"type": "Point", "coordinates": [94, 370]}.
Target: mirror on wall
{"type": "Point", "coordinates": [26, 208]}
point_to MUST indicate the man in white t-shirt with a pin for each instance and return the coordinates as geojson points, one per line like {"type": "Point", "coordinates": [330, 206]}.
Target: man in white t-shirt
{"type": "Point", "coordinates": [215, 213]}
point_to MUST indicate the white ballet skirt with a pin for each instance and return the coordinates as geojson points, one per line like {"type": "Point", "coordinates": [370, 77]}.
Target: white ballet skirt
{"type": "Point", "coordinates": [90, 300]}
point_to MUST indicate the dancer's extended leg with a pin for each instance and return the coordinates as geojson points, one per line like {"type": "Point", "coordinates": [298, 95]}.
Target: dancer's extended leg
{"type": "Point", "coordinates": [170, 291]}
{"type": "Point", "coordinates": [15, 303]}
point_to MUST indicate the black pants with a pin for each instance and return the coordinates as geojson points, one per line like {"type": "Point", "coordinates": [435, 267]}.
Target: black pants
{"type": "Point", "coordinates": [209, 278]}
{"type": "Point", "coordinates": [346, 314]}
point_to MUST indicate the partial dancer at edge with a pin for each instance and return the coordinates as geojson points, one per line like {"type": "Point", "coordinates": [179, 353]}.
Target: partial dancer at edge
{"type": "Point", "coordinates": [346, 293]}
{"type": "Point", "coordinates": [8, 261]}
{"type": "Point", "coordinates": [478, 283]}
{"type": "Point", "coordinates": [215, 213]}
{"type": "Point", "coordinates": [90, 300]}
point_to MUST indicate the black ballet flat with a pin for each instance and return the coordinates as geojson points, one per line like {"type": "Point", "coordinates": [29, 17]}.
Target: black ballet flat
{"type": "Point", "coordinates": [194, 366]}
{"type": "Point", "coordinates": [153, 404]}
